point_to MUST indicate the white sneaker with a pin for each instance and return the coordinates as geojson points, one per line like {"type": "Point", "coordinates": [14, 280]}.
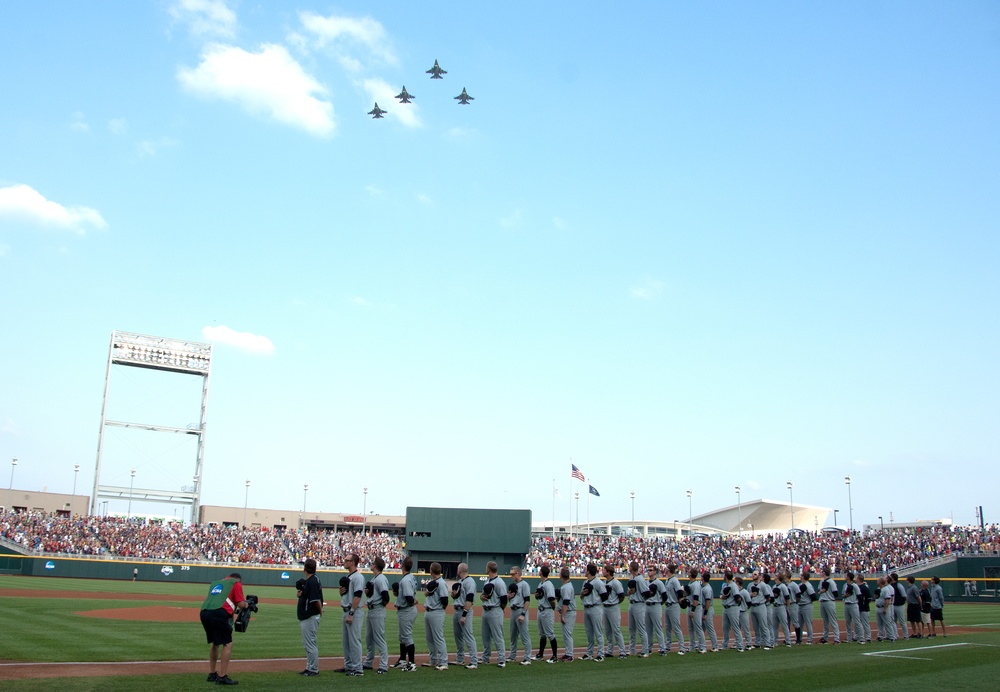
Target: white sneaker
{"type": "Point", "coordinates": [443, 666]}
{"type": "Point", "coordinates": [526, 662]}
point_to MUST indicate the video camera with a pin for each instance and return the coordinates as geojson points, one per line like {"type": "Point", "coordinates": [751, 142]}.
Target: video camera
{"type": "Point", "coordinates": [243, 616]}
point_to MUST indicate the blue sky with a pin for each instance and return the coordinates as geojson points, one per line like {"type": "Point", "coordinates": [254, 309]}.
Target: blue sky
{"type": "Point", "coordinates": [685, 246]}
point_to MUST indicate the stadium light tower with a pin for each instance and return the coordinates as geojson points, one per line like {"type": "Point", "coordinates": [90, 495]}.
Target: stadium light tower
{"type": "Point", "coordinates": [13, 465]}
{"type": "Point", "coordinates": [739, 508]}
{"type": "Point", "coordinates": [850, 503]}
{"type": "Point", "coordinates": [364, 512]}
{"type": "Point", "coordinates": [791, 502]}
{"type": "Point", "coordinates": [690, 514]}
{"type": "Point", "coordinates": [76, 474]}
{"type": "Point", "coordinates": [246, 500]}
{"type": "Point", "coordinates": [305, 490]}
{"type": "Point", "coordinates": [835, 512]}
{"type": "Point", "coordinates": [632, 496]}
{"type": "Point", "coordinates": [131, 484]}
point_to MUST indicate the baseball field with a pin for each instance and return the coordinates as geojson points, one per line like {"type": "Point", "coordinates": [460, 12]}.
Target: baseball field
{"type": "Point", "coordinates": [85, 634]}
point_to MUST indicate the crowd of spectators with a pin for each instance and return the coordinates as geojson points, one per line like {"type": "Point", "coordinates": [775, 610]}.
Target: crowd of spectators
{"type": "Point", "coordinates": [871, 552]}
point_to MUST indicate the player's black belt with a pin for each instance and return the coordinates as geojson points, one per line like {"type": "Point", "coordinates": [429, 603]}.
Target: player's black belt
{"type": "Point", "coordinates": [589, 605]}
{"type": "Point", "coordinates": [490, 607]}
{"type": "Point", "coordinates": [652, 603]}
{"type": "Point", "coordinates": [611, 605]}
{"type": "Point", "coordinates": [430, 609]}
{"type": "Point", "coordinates": [754, 605]}
{"type": "Point", "coordinates": [516, 607]}
{"type": "Point", "coordinates": [729, 606]}
{"type": "Point", "coordinates": [636, 602]}
{"type": "Point", "coordinates": [403, 607]}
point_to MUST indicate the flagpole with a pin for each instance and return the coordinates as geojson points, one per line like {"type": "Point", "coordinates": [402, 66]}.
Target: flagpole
{"type": "Point", "coordinates": [588, 511]}
{"type": "Point", "coordinates": [554, 511]}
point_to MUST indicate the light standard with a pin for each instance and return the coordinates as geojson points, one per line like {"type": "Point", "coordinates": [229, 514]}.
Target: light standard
{"type": "Point", "coordinates": [850, 503]}
{"type": "Point", "coordinates": [246, 498]}
{"type": "Point", "coordinates": [750, 526]}
{"type": "Point", "coordinates": [835, 516]}
{"type": "Point", "coordinates": [364, 512]}
{"type": "Point", "coordinates": [76, 474]}
{"type": "Point", "coordinates": [791, 502]}
{"type": "Point", "coordinates": [881, 523]}
{"type": "Point", "coordinates": [13, 465]}
{"type": "Point", "coordinates": [131, 484]}
{"type": "Point", "coordinates": [305, 489]}
{"type": "Point", "coordinates": [739, 508]}
{"type": "Point", "coordinates": [632, 495]}
{"type": "Point", "coordinates": [690, 513]}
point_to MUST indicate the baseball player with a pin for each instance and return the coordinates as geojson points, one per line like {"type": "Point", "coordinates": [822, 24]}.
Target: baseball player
{"type": "Point", "coordinates": [744, 613]}
{"type": "Point", "coordinates": [793, 606]}
{"type": "Point", "coordinates": [494, 600]}
{"type": "Point", "coordinates": [376, 599]}
{"type": "Point", "coordinates": [772, 616]}
{"type": "Point", "coordinates": [696, 614]}
{"type": "Point", "coordinates": [519, 593]}
{"type": "Point", "coordinates": [864, 606]}
{"type": "Point", "coordinates": [828, 607]}
{"type": "Point", "coordinates": [672, 595]}
{"type": "Point", "coordinates": [899, 604]}
{"type": "Point", "coordinates": [730, 595]}
{"type": "Point", "coordinates": [852, 611]}
{"type": "Point", "coordinates": [434, 605]}
{"type": "Point", "coordinates": [354, 617]}
{"type": "Point", "coordinates": [567, 612]}
{"type": "Point", "coordinates": [406, 613]}
{"type": "Point", "coordinates": [463, 594]}
{"type": "Point", "coordinates": [708, 610]}
{"type": "Point", "coordinates": [614, 595]}
{"type": "Point", "coordinates": [781, 600]}
{"type": "Point", "coordinates": [808, 596]}
{"type": "Point", "coordinates": [758, 613]}
{"type": "Point", "coordinates": [545, 594]}
{"type": "Point", "coordinates": [654, 610]}
{"type": "Point", "coordinates": [637, 586]}
{"type": "Point", "coordinates": [593, 594]}
{"type": "Point", "coordinates": [885, 613]}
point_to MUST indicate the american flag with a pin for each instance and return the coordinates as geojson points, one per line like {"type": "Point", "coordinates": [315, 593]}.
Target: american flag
{"type": "Point", "coordinates": [577, 474]}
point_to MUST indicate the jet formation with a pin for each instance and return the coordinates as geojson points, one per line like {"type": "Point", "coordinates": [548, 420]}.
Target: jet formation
{"type": "Point", "coordinates": [406, 97]}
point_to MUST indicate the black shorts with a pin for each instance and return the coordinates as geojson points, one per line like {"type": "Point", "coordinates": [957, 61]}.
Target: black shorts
{"type": "Point", "coordinates": [937, 614]}
{"type": "Point", "coordinates": [913, 612]}
{"type": "Point", "coordinates": [218, 626]}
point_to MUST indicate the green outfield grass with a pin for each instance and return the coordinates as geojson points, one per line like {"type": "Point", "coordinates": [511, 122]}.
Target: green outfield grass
{"type": "Point", "coordinates": [48, 630]}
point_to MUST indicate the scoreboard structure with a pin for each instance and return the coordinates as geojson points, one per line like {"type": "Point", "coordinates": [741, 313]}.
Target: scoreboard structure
{"type": "Point", "coordinates": [163, 355]}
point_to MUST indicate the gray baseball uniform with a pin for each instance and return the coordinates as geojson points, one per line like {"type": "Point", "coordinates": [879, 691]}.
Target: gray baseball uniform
{"type": "Point", "coordinates": [758, 614]}
{"type": "Point", "coordinates": [567, 597]}
{"type": "Point", "coordinates": [637, 616]}
{"type": "Point", "coordinates": [806, 610]}
{"type": "Point", "coordinates": [594, 593]}
{"type": "Point", "coordinates": [375, 625]}
{"type": "Point", "coordinates": [730, 615]}
{"type": "Point", "coordinates": [613, 618]}
{"type": "Point", "coordinates": [465, 638]}
{"type": "Point", "coordinates": [519, 620]}
{"type": "Point", "coordinates": [781, 599]}
{"type": "Point", "coordinates": [406, 608]}
{"type": "Point", "coordinates": [852, 613]}
{"type": "Point", "coordinates": [351, 631]}
{"type": "Point", "coordinates": [708, 614]}
{"type": "Point", "coordinates": [828, 609]}
{"type": "Point", "coordinates": [546, 610]}
{"type": "Point", "coordinates": [492, 629]}
{"type": "Point", "coordinates": [434, 606]}
{"type": "Point", "coordinates": [654, 615]}
{"type": "Point", "coordinates": [672, 613]}
{"type": "Point", "coordinates": [745, 617]}
{"type": "Point", "coordinates": [696, 615]}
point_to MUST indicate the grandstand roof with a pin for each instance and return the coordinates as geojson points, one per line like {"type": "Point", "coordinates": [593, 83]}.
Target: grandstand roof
{"type": "Point", "coordinates": [764, 516]}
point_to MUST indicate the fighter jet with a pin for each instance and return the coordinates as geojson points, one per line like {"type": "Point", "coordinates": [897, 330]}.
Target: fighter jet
{"type": "Point", "coordinates": [436, 71]}
{"type": "Point", "coordinates": [376, 112]}
{"type": "Point", "coordinates": [464, 98]}
{"type": "Point", "coordinates": [404, 97]}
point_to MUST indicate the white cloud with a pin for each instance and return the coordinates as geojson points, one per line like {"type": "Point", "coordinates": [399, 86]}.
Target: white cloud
{"type": "Point", "coordinates": [269, 82]}
{"type": "Point", "coordinates": [374, 191]}
{"type": "Point", "coordinates": [425, 199]}
{"type": "Point", "coordinates": [79, 123]}
{"type": "Point", "coordinates": [117, 126]}
{"type": "Point", "coordinates": [753, 485]}
{"type": "Point", "coordinates": [358, 300]}
{"type": "Point", "coordinates": [4, 250]}
{"type": "Point", "coordinates": [245, 341]}
{"type": "Point", "coordinates": [559, 223]}
{"type": "Point", "coordinates": [342, 32]}
{"type": "Point", "coordinates": [513, 220]}
{"type": "Point", "coordinates": [148, 147]}
{"type": "Point", "coordinates": [205, 17]}
{"type": "Point", "coordinates": [379, 91]}
{"type": "Point", "coordinates": [26, 203]}
{"type": "Point", "coordinates": [650, 289]}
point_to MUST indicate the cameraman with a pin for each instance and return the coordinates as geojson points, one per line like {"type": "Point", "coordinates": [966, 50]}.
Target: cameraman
{"type": "Point", "coordinates": [224, 597]}
{"type": "Point", "coordinates": [309, 610]}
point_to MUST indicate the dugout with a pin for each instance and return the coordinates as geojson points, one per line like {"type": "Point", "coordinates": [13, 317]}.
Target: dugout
{"type": "Point", "coordinates": [473, 536]}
